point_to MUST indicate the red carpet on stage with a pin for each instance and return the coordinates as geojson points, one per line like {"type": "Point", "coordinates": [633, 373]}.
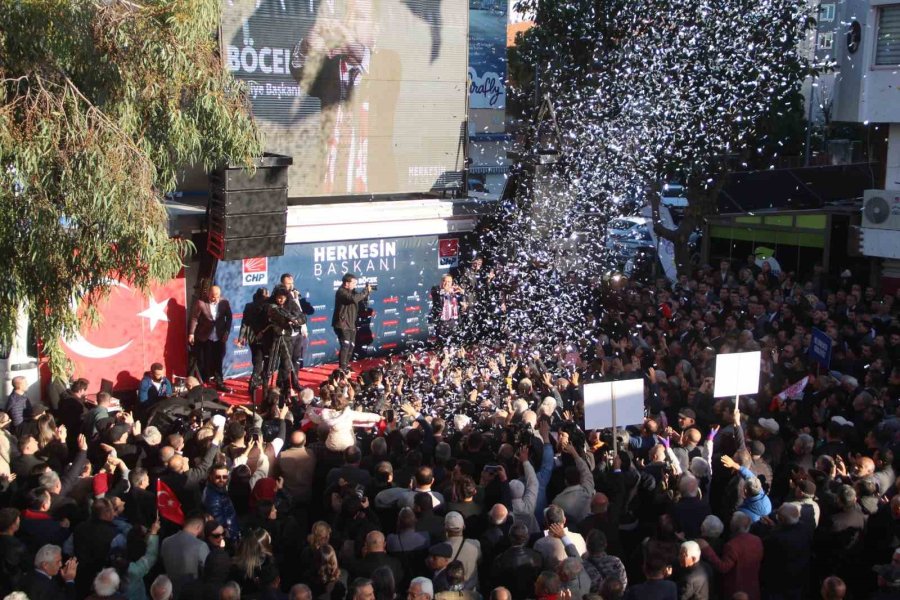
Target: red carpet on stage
{"type": "Point", "coordinates": [310, 377]}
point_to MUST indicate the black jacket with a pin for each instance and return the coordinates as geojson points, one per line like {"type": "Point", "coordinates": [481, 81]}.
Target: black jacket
{"type": "Point", "coordinates": [93, 540]}
{"type": "Point", "coordinates": [38, 586]}
{"type": "Point", "coordinates": [346, 308]}
{"type": "Point", "coordinates": [517, 568]}
{"type": "Point", "coordinates": [786, 558]}
{"type": "Point", "coordinates": [14, 561]}
{"type": "Point", "coordinates": [365, 566]}
{"type": "Point", "coordinates": [688, 514]}
{"type": "Point", "coordinates": [187, 485]}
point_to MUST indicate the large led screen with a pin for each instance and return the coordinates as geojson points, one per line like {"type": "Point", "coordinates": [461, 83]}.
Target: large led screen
{"type": "Point", "coordinates": [368, 96]}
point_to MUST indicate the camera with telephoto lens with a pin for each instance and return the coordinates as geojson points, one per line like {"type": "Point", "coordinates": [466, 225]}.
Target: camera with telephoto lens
{"type": "Point", "coordinates": [373, 287]}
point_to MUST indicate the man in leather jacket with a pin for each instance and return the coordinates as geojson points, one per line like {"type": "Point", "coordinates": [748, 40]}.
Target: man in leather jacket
{"type": "Point", "coordinates": [518, 567]}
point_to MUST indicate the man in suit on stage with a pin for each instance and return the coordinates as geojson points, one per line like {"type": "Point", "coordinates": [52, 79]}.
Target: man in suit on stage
{"type": "Point", "coordinates": [209, 329]}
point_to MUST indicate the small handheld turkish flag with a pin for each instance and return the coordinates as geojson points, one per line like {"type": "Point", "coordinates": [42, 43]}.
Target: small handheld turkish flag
{"type": "Point", "coordinates": [167, 503]}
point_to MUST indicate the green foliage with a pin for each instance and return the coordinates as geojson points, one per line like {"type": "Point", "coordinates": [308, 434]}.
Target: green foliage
{"type": "Point", "coordinates": [101, 103]}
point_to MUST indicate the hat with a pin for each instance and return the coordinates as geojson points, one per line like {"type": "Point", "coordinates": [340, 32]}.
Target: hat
{"type": "Point", "coordinates": [516, 489]}
{"type": "Point", "coordinates": [757, 448]}
{"type": "Point", "coordinates": [889, 573]}
{"type": "Point", "coordinates": [807, 487]}
{"type": "Point", "coordinates": [821, 306]}
{"type": "Point", "coordinates": [4, 420]}
{"type": "Point", "coordinates": [442, 550]}
{"type": "Point", "coordinates": [152, 435]}
{"type": "Point", "coordinates": [265, 489]}
{"type": "Point", "coordinates": [770, 425]}
{"type": "Point", "coordinates": [454, 521]}
{"type": "Point", "coordinates": [687, 413]}
{"type": "Point", "coordinates": [841, 421]}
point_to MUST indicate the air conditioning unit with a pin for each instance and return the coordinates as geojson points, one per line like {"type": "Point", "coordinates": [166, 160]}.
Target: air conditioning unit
{"type": "Point", "coordinates": [881, 209]}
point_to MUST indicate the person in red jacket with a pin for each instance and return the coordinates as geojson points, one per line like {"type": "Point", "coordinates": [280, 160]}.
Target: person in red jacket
{"type": "Point", "coordinates": [740, 561]}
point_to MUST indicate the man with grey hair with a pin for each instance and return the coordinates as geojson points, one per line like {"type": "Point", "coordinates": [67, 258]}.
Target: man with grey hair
{"type": "Point", "coordinates": [788, 552]}
{"type": "Point", "coordinates": [711, 530]}
{"type": "Point", "coordinates": [42, 582]}
{"type": "Point", "coordinates": [209, 327]}
{"type": "Point", "coordinates": [161, 588]}
{"type": "Point", "coordinates": [850, 515]}
{"type": "Point", "coordinates": [300, 591]}
{"type": "Point", "coordinates": [573, 576]}
{"type": "Point", "coordinates": [694, 576]}
{"type": "Point", "coordinates": [501, 593]}
{"type": "Point", "coordinates": [741, 558]}
{"type": "Point", "coordinates": [106, 584]}
{"type": "Point", "coordinates": [420, 588]}
{"type": "Point", "coordinates": [230, 591]}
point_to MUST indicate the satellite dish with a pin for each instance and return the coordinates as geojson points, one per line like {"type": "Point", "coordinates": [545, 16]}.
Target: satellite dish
{"type": "Point", "coordinates": [877, 209]}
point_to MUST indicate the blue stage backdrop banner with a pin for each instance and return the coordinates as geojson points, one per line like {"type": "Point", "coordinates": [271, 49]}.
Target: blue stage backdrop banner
{"type": "Point", "coordinates": [487, 53]}
{"type": "Point", "coordinates": [404, 269]}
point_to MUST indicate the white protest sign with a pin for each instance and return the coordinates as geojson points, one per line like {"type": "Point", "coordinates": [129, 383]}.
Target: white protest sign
{"type": "Point", "coordinates": [737, 374]}
{"type": "Point", "coordinates": [598, 403]}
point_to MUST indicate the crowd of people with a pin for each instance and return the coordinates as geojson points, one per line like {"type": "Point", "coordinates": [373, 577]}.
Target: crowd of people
{"type": "Point", "coordinates": [464, 471]}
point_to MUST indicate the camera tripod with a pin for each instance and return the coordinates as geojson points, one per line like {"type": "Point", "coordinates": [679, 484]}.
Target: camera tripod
{"type": "Point", "coordinates": [273, 365]}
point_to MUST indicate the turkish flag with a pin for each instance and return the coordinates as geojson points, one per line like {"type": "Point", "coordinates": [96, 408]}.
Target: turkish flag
{"type": "Point", "coordinates": [134, 331]}
{"type": "Point", "coordinates": [167, 503]}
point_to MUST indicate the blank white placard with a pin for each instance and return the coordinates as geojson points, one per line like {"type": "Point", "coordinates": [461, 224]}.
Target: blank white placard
{"type": "Point", "coordinates": [598, 396]}
{"type": "Point", "coordinates": [737, 374]}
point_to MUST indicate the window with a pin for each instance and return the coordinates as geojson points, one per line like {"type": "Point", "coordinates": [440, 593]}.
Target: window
{"type": "Point", "coordinates": [826, 12]}
{"type": "Point", "coordinates": [826, 40]}
{"type": "Point", "coordinates": [887, 42]}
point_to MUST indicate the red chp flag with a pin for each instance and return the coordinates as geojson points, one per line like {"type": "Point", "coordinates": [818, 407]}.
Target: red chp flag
{"type": "Point", "coordinates": [167, 503]}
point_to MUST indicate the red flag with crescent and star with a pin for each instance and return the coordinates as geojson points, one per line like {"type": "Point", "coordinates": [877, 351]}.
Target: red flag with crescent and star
{"type": "Point", "coordinates": [167, 503]}
{"type": "Point", "coordinates": [135, 330]}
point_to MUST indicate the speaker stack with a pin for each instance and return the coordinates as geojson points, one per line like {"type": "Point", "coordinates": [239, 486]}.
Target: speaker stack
{"type": "Point", "coordinates": [248, 209]}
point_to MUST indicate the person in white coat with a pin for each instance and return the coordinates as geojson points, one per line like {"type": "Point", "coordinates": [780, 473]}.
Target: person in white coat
{"type": "Point", "coordinates": [340, 421]}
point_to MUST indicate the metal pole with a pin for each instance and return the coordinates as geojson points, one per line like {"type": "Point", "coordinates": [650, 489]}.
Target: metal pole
{"type": "Point", "coordinates": [612, 395]}
{"type": "Point", "coordinates": [812, 93]}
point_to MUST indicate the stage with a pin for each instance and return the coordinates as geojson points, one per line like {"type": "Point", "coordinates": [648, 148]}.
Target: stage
{"type": "Point", "coordinates": [311, 377]}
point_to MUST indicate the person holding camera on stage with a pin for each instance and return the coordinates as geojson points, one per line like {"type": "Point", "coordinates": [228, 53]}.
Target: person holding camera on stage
{"type": "Point", "coordinates": [252, 332]}
{"type": "Point", "coordinates": [284, 317]}
{"type": "Point", "coordinates": [300, 336]}
{"type": "Point", "coordinates": [346, 311]}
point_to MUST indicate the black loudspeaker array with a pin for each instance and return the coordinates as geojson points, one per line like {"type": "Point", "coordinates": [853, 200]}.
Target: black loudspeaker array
{"type": "Point", "coordinates": [248, 209]}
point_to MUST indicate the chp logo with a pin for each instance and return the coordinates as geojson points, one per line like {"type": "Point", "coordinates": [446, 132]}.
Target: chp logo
{"type": "Point", "coordinates": [448, 253]}
{"type": "Point", "coordinates": [255, 271]}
